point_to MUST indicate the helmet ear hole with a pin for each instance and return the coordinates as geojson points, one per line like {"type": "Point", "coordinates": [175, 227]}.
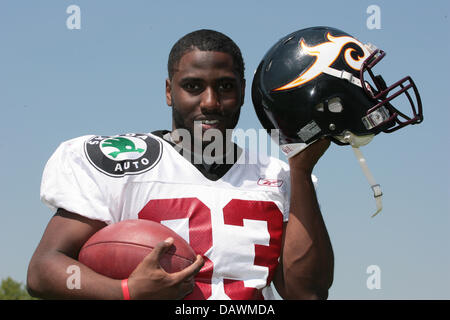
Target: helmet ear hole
{"type": "Point", "coordinates": [335, 105]}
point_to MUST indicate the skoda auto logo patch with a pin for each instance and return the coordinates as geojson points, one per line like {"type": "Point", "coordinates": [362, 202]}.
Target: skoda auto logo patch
{"type": "Point", "coordinates": [123, 155]}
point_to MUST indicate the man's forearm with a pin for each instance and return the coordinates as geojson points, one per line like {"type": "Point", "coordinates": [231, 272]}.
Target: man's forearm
{"type": "Point", "coordinates": [307, 258]}
{"type": "Point", "coordinates": [49, 277]}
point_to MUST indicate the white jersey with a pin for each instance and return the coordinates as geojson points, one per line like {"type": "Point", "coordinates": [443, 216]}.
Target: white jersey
{"type": "Point", "coordinates": [234, 222]}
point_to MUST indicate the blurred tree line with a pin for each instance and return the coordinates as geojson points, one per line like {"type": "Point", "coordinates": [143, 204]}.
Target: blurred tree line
{"type": "Point", "coordinates": [13, 290]}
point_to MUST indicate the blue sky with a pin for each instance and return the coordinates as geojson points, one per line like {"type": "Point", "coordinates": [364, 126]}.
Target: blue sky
{"type": "Point", "coordinates": [108, 78]}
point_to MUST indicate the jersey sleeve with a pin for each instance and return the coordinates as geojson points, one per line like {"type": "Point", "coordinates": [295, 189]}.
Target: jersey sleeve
{"type": "Point", "coordinates": [285, 176]}
{"type": "Point", "coordinates": [286, 189]}
{"type": "Point", "coordinates": [68, 182]}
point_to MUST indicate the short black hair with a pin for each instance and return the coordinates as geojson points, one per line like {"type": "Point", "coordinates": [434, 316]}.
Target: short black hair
{"type": "Point", "coordinates": [205, 40]}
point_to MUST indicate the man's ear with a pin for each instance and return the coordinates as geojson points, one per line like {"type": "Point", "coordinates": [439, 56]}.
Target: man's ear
{"type": "Point", "coordinates": [168, 92]}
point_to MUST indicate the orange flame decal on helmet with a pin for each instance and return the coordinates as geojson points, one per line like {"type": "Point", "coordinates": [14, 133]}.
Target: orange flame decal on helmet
{"type": "Point", "coordinates": [326, 53]}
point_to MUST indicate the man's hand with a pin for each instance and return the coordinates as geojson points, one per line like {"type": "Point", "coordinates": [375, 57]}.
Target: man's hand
{"type": "Point", "coordinates": [150, 281]}
{"type": "Point", "coordinates": [307, 159]}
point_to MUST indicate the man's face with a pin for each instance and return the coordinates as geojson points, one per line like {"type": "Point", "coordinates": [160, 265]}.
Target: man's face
{"type": "Point", "coordinates": [206, 90]}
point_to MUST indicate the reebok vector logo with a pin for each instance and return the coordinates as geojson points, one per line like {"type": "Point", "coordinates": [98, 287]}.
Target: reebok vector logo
{"type": "Point", "coordinates": [270, 182]}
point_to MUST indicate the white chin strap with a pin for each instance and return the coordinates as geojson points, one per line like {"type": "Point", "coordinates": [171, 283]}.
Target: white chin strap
{"type": "Point", "coordinates": [356, 142]}
{"type": "Point", "coordinates": [375, 187]}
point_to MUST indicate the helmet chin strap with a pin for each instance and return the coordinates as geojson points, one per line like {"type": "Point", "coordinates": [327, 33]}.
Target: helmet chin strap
{"type": "Point", "coordinates": [375, 187]}
{"type": "Point", "coordinates": [356, 142]}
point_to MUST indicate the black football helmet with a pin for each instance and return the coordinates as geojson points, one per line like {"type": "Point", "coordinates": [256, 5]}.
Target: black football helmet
{"type": "Point", "coordinates": [319, 82]}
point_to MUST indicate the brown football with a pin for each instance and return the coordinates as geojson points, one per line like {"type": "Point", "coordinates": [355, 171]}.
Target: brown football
{"type": "Point", "coordinates": [116, 250]}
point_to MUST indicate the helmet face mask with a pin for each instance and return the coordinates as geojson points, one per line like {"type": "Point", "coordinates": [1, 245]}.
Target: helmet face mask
{"type": "Point", "coordinates": [384, 94]}
{"type": "Point", "coordinates": [319, 82]}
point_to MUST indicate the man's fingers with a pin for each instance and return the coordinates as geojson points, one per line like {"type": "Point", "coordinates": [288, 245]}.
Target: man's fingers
{"type": "Point", "coordinates": [158, 251]}
{"type": "Point", "coordinates": [162, 247]}
{"type": "Point", "coordinates": [188, 273]}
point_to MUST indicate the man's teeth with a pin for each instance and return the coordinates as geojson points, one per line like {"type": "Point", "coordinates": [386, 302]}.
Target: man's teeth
{"type": "Point", "coordinates": [210, 122]}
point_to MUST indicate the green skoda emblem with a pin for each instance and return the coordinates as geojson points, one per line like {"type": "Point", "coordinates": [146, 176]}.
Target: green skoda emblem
{"type": "Point", "coordinates": [123, 145]}
{"type": "Point", "coordinates": [123, 155]}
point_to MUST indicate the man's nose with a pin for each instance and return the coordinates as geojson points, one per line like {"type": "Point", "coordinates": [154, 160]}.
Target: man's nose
{"type": "Point", "coordinates": [210, 101]}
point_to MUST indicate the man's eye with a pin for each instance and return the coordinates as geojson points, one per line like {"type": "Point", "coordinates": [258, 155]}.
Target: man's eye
{"type": "Point", "coordinates": [191, 86]}
{"type": "Point", "coordinates": [226, 86]}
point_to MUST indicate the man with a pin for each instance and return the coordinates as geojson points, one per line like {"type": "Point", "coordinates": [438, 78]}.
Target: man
{"type": "Point", "coordinates": [247, 233]}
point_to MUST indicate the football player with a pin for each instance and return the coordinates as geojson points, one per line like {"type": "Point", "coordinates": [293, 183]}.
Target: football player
{"type": "Point", "coordinates": [250, 223]}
